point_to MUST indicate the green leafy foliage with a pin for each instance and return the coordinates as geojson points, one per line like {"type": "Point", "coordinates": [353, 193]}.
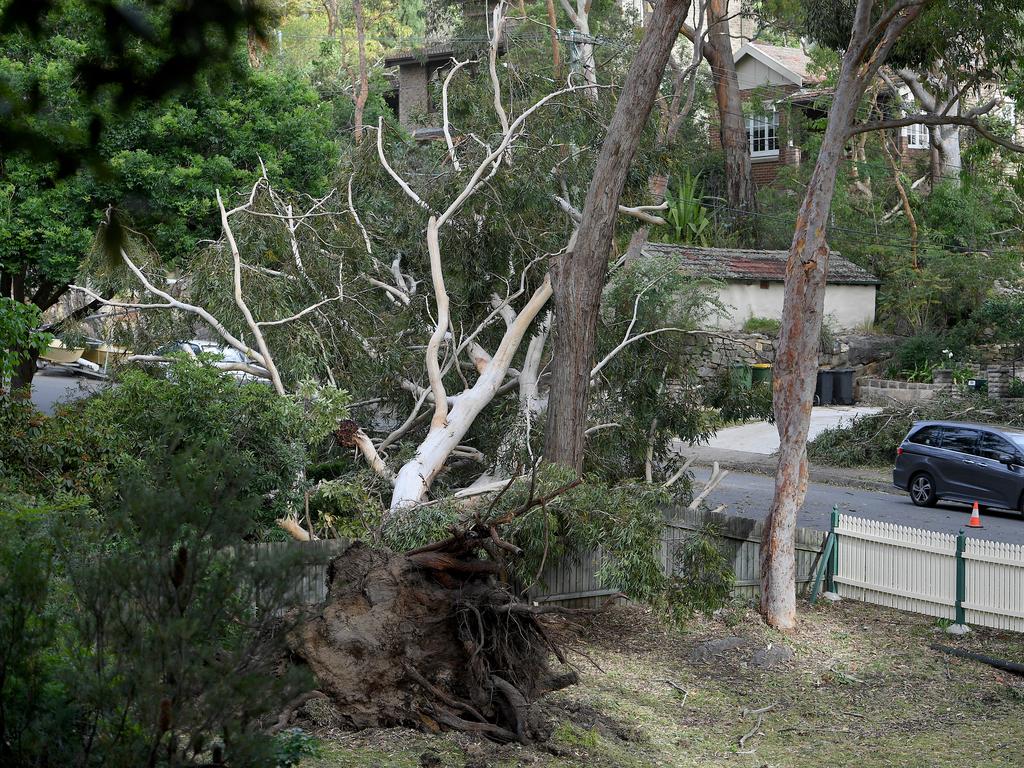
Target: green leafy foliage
{"type": "Point", "coordinates": [703, 577]}
{"type": "Point", "coordinates": [145, 636]}
{"type": "Point", "coordinates": [739, 401]}
{"type": "Point", "coordinates": [625, 521]}
{"type": "Point", "coordinates": [156, 152]}
{"type": "Point", "coordinates": [85, 447]}
{"type": "Point", "coordinates": [688, 220]}
{"type": "Point", "coordinates": [871, 440]}
{"type": "Point", "coordinates": [19, 337]}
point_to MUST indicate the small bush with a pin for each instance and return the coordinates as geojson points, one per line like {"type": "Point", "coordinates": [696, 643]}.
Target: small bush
{"type": "Point", "coordinates": [871, 440]}
{"type": "Point", "coordinates": [737, 402]}
{"type": "Point", "coordinates": [765, 325]}
{"type": "Point", "coordinates": [704, 576]}
{"type": "Point", "coordinates": [918, 356]}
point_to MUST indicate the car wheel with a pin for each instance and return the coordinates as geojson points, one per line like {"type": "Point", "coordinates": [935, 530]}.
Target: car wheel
{"type": "Point", "coordinates": [922, 490]}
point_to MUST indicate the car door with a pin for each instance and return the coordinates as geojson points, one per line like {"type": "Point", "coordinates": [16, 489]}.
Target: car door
{"type": "Point", "coordinates": [997, 484]}
{"type": "Point", "coordinates": [957, 462]}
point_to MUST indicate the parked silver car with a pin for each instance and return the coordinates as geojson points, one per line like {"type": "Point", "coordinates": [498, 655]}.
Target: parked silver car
{"type": "Point", "coordinates": [962, 462]}
{"type": "Point", "coordinates": [229, 356]}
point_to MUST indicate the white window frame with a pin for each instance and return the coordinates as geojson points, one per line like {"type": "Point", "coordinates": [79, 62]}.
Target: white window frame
{"type": "Point", "coordinates": [918, 136]}
{"type": "Point", "coordinates": [769, 141]}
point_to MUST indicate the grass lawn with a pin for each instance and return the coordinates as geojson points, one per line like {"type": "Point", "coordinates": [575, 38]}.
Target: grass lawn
{"type": "Point", "coordinates": [860, 687]}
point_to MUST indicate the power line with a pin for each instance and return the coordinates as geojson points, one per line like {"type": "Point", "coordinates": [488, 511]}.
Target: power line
{"type": "Point", "coordinates": [882, 239]}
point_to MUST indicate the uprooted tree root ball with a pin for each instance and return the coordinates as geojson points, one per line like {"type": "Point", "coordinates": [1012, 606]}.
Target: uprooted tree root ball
{"type": "Point", "coordinates": [430, 639]}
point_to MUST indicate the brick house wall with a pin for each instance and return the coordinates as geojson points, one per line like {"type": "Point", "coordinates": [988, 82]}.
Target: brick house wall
{"type": "Point", "coordinates": [765, 169]}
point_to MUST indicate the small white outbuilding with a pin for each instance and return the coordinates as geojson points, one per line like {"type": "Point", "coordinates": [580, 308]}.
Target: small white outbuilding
{"type": "Point", "coordinates": [750, 284]}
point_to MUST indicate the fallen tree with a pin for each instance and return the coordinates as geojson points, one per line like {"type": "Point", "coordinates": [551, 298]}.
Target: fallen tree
{"type": "Point", "coordinates": [421, 290]}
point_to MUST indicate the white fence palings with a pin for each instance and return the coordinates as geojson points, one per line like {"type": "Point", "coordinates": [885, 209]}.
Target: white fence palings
{"type": "Point", "coordinates": [896, 566]}
{"type": "Point", "coordinates": [994, 594]}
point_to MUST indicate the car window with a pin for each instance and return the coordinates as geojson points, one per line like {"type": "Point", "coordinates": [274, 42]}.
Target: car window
{"type": "Point", "coordinates": [960, 439]}
{"type": "Point", "coordinates": [231, 355]}
{"type": "Point", "coordinates": [928, 436]}
{"type": "Point", "coordinates": [993, 446]}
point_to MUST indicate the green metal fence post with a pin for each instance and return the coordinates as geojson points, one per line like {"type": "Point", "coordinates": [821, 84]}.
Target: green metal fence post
{"type": "Point", "coordinates": [833, 559]}
{"type": "Point", "coordinates": [826, 556]}
{"type": "Point", "coordinates": [961, 577]}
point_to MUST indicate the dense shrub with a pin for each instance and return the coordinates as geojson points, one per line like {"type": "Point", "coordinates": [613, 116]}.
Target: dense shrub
{"type": "Point", "coordinates": [144, 636]}
{"type": "Point", "coordinates": [85, 447]}
{"type": "Point", "coordinates": [871, 440]}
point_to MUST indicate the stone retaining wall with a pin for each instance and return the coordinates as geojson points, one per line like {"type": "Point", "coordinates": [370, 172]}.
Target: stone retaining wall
{"type": "Point", "coordinates": [884, 391]}
{"type": "Point", "coordinates": [717, 350]}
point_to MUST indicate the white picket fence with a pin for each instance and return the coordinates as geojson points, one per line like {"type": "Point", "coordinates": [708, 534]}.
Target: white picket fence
{"type": "Point", "coordinates": [916, 570]}
{"type": "Point", "coordinates": [994, 595]}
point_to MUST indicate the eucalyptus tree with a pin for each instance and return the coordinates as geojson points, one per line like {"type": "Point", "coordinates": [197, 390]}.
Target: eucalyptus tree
{"type": "Point", "coordinates": [421, 284]}
{"type": "Point", "coordinates": [711, 36]}
{"type": "Point", "coordinates": [870, 34]}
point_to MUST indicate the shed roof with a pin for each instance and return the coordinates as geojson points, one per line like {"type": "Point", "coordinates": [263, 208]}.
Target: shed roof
{"type": "Point", "coordinates": [751, 265]}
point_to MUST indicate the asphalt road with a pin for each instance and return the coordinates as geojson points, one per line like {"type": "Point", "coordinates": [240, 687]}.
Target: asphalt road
{"type": "Point", "coordinates": [50, 388]}
{"type": "Point", "coordinates": [750, 495]}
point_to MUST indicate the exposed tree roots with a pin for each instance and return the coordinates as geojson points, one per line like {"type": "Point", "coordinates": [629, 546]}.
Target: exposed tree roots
{"type": "Point", "coordinates": [430, 639]}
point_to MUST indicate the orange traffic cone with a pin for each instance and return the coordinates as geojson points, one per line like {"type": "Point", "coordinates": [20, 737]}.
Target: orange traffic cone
{"type": "Point", "coordinates": [975, 518]}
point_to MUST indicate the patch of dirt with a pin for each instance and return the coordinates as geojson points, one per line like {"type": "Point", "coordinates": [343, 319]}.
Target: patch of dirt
{"type": "Point", "coordinates": [854, 684]}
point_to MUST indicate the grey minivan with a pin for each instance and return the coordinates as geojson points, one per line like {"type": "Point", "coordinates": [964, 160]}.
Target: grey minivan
{"type": "Point", "coordinates": [962, 462]}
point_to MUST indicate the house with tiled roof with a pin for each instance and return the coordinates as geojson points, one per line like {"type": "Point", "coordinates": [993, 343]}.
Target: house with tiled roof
{"type": "Point", "coordinates": [784, 90]}
{"type": "Point", "coordinates": [749, 283]}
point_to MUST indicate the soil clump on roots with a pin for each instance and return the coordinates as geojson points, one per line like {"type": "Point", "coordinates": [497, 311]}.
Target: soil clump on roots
{"type": "Point", "coordinates": [431, 639]}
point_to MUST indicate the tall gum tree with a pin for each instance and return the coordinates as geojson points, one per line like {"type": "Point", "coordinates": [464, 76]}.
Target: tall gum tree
{"type": "Point", "coordinates": [580, 274]}
{"type": "Point", "coordinates": [732, 125]}
{"type": "Point", "coordinates": [876, 30]}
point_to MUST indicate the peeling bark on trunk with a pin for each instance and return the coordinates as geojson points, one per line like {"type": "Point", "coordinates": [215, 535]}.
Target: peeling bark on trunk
{"type": "Point", "coordinates": [556, 65]}
{"type": "Point", "coordinates": [580, 276]}
{"type": "Point", "coordinates": [797, 357]}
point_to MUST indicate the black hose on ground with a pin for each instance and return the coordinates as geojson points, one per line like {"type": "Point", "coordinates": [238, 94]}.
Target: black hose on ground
{"type": "Point", "coordinates": [1006, 666]}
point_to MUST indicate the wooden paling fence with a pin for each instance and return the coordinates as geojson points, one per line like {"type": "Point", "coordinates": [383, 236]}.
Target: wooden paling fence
{"type": "Point", "coordinates": [965, 580]}
{"type": "Point", "coordinates": [960, 578]}
{"type": "Point", "coordinates": [575, 580]}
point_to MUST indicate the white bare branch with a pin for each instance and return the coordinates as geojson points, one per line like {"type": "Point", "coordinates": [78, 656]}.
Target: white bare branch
{"type": "Point", "coordinates": [440, 327]}
{"type": "Point", "coordinates": [391, 171]}
{"type": "Point", "coordinates": [355, 216]}
{"type": "Point", "coordinates": [257, 333]}
{"type": "Point", "coordinates": [446, 125]}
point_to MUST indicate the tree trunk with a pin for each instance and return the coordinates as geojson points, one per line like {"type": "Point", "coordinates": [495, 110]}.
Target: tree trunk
{"type": "Point", "coordinates": [946, 158]}
{"type": "Point", "coordinates": [364, 84]}
{"type": "Point", "coordinates": [331, 9]}
{"type": "Point", "coordinates": [580, 275]}
{"type": "Point", "coordinates": [556, 66]}
{"type": "Point", "coordinates": [797, 357]}
{"type": "Point", "coordinates": [24, 373]}
{"type": "Point", "coordinates": [732, 126]}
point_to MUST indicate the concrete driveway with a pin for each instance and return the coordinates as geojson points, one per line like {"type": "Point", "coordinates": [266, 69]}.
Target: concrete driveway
{"type": "Point", "coordinates": [762, 437]}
